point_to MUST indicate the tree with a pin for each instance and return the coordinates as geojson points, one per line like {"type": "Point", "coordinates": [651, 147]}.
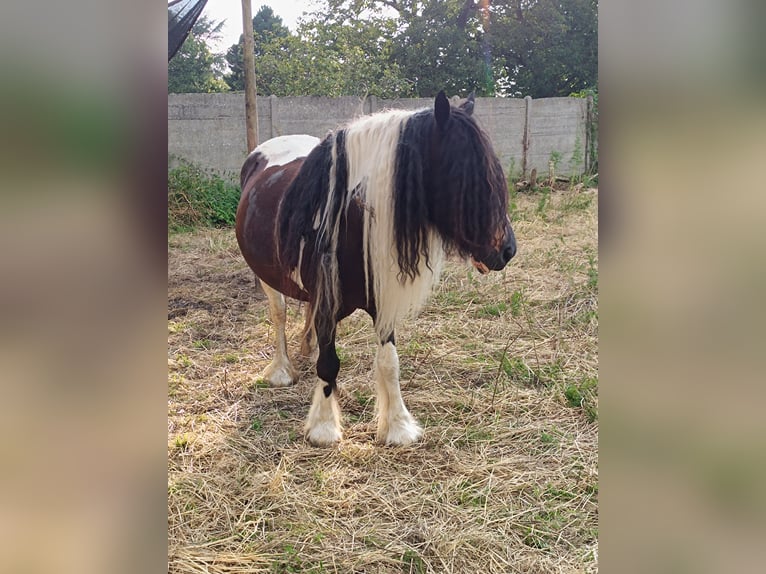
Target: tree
{"type": "Point", "coordinates": [546, 47]}
{"type": "Point", "coordinates": [323, 58]}
{"type": "Point", "coordinates": [195, 68]}
{"type": "Point", "coordinates": [441, 47]}
{"type": "Point", "coordinates": [539, 48]}
{"type": "Point", "coordinates": [401, 48]}
{"type": "Point", "coordinates": [267, 28]}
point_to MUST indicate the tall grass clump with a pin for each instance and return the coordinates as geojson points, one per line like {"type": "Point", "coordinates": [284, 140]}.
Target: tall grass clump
{"type": "Point", "coordinates": [199, 198]}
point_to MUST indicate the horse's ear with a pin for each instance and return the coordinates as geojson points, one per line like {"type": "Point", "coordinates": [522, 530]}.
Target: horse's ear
{"type": "Point", "coordinates": [441, 109]}
{"type": "Point", "coordinates": [467, 105]}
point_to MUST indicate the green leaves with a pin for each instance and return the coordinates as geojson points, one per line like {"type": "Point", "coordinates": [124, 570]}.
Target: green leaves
{"type": "Point", "coordinates": [195, 68]}
{"type": "Point", "coordinates": [324, 58]}
{"type": "Point", "coordinates": [199, 198]}
{"type": "Point", "coordinates": [406, 49]}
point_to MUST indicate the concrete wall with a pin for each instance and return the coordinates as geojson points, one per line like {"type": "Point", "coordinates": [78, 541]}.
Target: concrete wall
{"type": "Point", "coordinates": [209, 129]}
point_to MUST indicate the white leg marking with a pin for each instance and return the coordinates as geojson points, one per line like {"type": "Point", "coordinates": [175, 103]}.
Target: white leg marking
{"type": "Point", "coordinates": [280, 372]}
{"type": "Point", "coordinates": [323, 423]}
{"type": "Point", "coordinates": [396, 426]}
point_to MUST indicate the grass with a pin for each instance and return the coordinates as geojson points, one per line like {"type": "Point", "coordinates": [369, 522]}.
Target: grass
{"type": "Point", "coordinates": [413, 563]}
{"type": "Point", "coordinates": [500, 369]}
{"type": "Point", "coordinates": [199, 198]}
{"type": "Point", "coordinates": [493, 309]}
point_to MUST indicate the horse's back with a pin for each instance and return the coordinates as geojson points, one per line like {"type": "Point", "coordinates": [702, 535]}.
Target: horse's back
{"type": "Point", "coordinates": [266, 174]}
{"type": "Point", "coordinates": [277, 151]}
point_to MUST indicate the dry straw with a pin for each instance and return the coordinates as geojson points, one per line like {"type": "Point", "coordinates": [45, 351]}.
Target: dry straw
{"type": "Point", "coordinates": [500, 369]}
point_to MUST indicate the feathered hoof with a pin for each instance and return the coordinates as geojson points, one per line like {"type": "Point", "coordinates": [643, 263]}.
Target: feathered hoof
{"type": "Point", "coordinates": [400, 432]}
{"type": "Point", "coordinates": [324, 434]}
{"type": "Point", "coordinates": [276, 375]}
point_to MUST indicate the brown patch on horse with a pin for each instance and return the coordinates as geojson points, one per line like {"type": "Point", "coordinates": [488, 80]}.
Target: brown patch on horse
{"type": "Point", "coordinates": [262, 191]}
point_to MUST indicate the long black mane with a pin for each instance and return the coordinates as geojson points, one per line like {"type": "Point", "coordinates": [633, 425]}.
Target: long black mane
{"type": "Point", "coordinates": [448, 178]}
{"type": "Point", "coordinates": [302, 200]}
{"type": "Point", "coordinates": [309, 194]}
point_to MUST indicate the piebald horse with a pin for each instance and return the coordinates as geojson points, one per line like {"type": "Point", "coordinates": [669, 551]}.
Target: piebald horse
{"type": "Point", "coordinates": [363, 219]}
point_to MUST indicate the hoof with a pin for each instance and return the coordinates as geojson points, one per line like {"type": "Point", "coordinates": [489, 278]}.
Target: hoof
{"type": "Point", "coordinates": [325, 434]}
{"type": "Point", "coordinates": [400, 432]}
{"type": "Point", "coordinates": [279, 375]}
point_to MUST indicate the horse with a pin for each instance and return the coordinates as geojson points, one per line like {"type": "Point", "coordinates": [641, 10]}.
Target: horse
{"type": "Point", "coordinates": [364, 219]}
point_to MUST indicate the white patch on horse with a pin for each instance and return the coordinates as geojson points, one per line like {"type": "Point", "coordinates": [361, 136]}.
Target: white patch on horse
{"type": "Point", "coordinates": [295, 275]}
{"type": "Point", "coordinates": [284, 149]}
{"type": "Point", "coordinates": [323, 423]}
{"type": "Point", "coordinates": [280, 372]}
{"type": "Point", "coordinates": [396, 426]}
{"type": "Point", "coordinates": [274, 177]}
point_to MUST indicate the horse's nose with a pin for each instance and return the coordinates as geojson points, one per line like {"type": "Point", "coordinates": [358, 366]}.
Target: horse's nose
{"type": "Point", "coordinates": [510, 247]}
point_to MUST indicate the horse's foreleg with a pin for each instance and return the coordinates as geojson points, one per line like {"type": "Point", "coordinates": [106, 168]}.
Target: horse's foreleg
{"type": "Point", "coordinates": [280, 372]}
{"type": "Point", "coordinates": [308, 336]}
{"type": "Point", "coordinates": [323, 423]}
{"type": "Point", "coordinates": [396, 426]}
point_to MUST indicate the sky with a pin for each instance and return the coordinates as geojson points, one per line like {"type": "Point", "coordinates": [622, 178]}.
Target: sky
{"type": "Point", "coordinates": [231, 12]}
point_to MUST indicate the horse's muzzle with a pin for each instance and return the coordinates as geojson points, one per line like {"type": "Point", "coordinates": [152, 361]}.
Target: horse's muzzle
{"type": "Point", "coordinates": [496, 260]}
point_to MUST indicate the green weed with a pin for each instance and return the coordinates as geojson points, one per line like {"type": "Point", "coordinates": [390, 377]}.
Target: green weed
{"type": "Point", "coordinates": [412, 348]}
{"type": "Point", "coordinates": [544, 202]}
{"type": "Point", "coordinates": [535, 539]}
{"type": "Point", "coordinates": [545, 375]}
{"type": "Point", "coordinates": [553, 493]}
{"type": "Point", "coordinates": [362, 398]}
{"type": "Point", "coordinates": [548, 438]}
{"type": "Point", "coordinates": [517, 370]}
{"type": "Point", "coordinates": [202, 344]}
{"type": "Point", "coordinates": [289, 562]}
{"type": "Point", "coordinates": [468, 495]}
{"type": "Point", "coordinates": [512, 175]}
{"type": "Point", "coordinates": [585, 317]}
{"type": "Point", "coordinates": [555, 159]}
{"type": "Point", "coordinates": [199, 198]}
{"type": "Point", "coordinates": [473, 435]}
{"type": "Point", "coordinates": [513, 206]}
{"type": "Point", "coordinates": [182, 442]}
{"type": "Point", "coordinates": [592, 273]}
{"type": "Point", "coordinates": [175, 383]}
{"type": "Point", "coordinates": [517, 300]}
{"type": "Point", "coordinates": [412, 562]}
{"type": "Point", "coordinates": [592, 126]}
{"type": "Point", "coordinates": [575, 162]}
{"type": "Point", "coordinates": [575, 202]}
{"type": "Point", "coordinates": [493, 309]}
{"type": "Point", "coordinates": [582, 395]}
{"type": "Point", "coordinates": [452, 298]}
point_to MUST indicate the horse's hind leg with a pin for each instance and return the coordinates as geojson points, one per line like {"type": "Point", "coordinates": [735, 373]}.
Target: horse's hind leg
{"type": "Point", "coordinates": [280, 372]}
{"type": "Point", "coordinates": [323, 423]}
{"type": "Point", "coordinates": [308, 336]}
{"type": "Point", "coordinates": [396, 426]}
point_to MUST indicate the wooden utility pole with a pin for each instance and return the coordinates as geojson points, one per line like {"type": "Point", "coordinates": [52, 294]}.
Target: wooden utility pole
{"type": "Point", "coordinates": [251, 110]}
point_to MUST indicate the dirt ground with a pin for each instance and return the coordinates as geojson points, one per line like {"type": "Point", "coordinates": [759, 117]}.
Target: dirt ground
{"type": "Point", "coordinates": [501, 370]}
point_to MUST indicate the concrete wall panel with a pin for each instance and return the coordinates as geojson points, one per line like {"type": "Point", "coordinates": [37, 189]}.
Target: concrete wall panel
{"type": "Point", "coordinates": [209, 129]}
